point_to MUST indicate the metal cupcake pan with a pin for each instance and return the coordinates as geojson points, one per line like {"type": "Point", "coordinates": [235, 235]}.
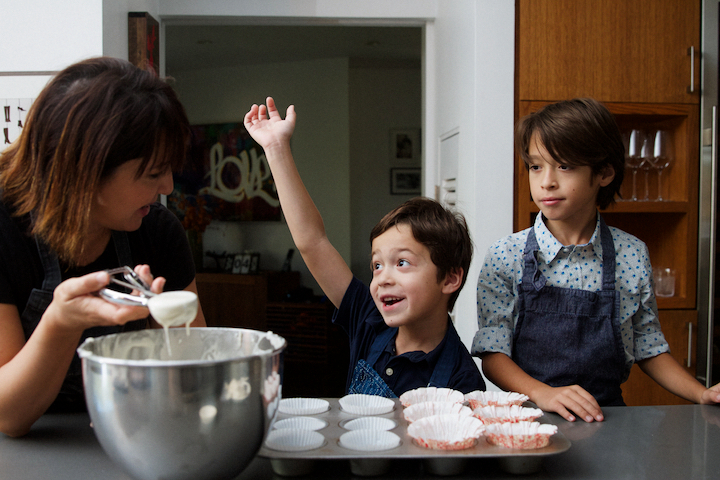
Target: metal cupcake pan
{"type": "Point", "coordinates": [368, 463]}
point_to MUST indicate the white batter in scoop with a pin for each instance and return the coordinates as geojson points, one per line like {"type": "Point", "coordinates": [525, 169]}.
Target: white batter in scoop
{"type": "Point", "coordinates": [171, 309]}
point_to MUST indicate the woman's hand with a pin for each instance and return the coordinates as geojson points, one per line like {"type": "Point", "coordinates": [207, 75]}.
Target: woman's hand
{"type": "Point", "coordinates": [76, 305]}
{"type": "Point", "coordinates": [157, 285]}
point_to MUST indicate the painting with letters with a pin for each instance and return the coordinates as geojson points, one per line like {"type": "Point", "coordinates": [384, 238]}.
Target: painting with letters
{"type": "Point", "coordinates": [226, 177]}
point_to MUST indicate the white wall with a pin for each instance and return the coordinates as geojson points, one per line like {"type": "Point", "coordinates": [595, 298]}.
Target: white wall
{"type": "Point", "coordinates": [474, 39]}
{"type": "Point", "coordinates": [381, 98]}
{"type": "Point", "coordinates": [320, 143]}
{"type": "Point", "coordinates": [115, 23]}
{"type": "Point", "coordinates": [40, 36]}
{"type": "Point", "coordinates": [312, 9]}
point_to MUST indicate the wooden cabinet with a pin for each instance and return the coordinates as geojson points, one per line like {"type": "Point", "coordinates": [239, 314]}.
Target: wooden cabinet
{"type": "Point", "coordinates": [240, 300]}
{"type": "Point", "coordinates": [233, 300]}
{"type": "Point", "coordinates": [678, 327]}
{"type": "Point", "coordinates": [632, 55]}
{"type": "Point", "coordinates": [318, 353]}
{"type": "Point", "coordinates": [669, 228]}
{"type": "Point", "coordinates": [611, 50]}
{"type": "Point", "coordinates": [316, 359]}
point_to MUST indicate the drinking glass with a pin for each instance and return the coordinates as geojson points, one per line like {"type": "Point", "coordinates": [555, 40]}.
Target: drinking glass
{"type": "Point", "coordinates": [634, 159]}
{"type": "Point", "coordinates": [646, 154]}
{"type": "Point", "coordinates": [661, 158]}
{"type": "Point", "coordinates": [664, 282]}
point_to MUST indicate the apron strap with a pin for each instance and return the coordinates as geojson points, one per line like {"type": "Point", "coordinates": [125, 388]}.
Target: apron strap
{"type": "Point", "coordinates": [608, 252]}
{"type": "Point", "coordinates": [51, 266]}
{"type": "Point", "coordinates": [531, 271]}
{"type": "Point", "coordinates": [448, 357]}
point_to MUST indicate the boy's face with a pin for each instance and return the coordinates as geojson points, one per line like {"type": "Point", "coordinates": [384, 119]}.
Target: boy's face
{"type": "Point", "coordinates": [404, 286]}
{"type": "Point", "coordinates": [564, 193]}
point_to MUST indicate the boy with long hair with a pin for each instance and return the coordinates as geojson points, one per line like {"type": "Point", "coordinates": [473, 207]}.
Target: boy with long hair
{"type": "Point", "coordinates": [566, 307]}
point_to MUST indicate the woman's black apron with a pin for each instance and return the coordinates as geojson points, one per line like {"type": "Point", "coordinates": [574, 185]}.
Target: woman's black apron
{"type": "Point", "coordinates": [71, 397]}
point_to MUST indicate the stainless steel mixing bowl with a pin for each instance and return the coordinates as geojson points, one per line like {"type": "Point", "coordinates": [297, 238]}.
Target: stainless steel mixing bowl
{"type": "Point", "coordinates": [201, 410]}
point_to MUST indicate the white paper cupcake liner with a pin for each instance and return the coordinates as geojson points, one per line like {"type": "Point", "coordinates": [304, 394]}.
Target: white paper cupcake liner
{"type": "Point", "coordinates": [525, 435]}
{"type": "Point", "coordinates": [507, 414]}
{"type": "Point", "coordinates": [426, 409]}
{"type": "Point", "coordinates": [369, 440]}
{"type": "Point", "coordinates": [370, 423]}
{"type": "Point", "coordinates": [300, 423]}
{"type": "Point", "coordinates": [446, 432]}
{"type": "Point", "coordinates": [431, 394]}
{"type": "Point", "coordinates": [479, 399]}
{"type": "Point", "coordinates": [361, 404]}
{"type": "Point", "coordinates": [303, 406]}
{"type": "Point", "coordinates": [293, 440]}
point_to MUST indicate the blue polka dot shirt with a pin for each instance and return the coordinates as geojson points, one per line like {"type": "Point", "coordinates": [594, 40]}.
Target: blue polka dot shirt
{"type": "Point", "coordinates": [573, 266]}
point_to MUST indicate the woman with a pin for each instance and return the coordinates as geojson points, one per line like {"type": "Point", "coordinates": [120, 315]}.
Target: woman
{"type": "Point", "coordinates": [78, 196]}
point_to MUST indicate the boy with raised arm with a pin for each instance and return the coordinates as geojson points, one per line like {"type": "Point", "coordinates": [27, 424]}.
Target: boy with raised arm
{"type": "Point", "coordinates": [401, 336]}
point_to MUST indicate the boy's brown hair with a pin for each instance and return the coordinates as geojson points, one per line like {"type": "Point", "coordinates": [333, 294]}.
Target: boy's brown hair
{"type": "Point", "coordinates": [91, 118]}
{"type": "Point", "coordinates": [580, 132]}
{"type": "Point", "coordinates": [444, 233]}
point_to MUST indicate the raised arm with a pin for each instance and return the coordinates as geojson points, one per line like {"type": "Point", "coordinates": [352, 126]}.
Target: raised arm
{"type": "Point", "coordinates": [303, 218]}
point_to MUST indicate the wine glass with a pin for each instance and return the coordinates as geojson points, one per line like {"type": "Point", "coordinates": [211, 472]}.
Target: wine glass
{"type": "Point", "coordinates": [633, 159]}
{"type": "Point", "coordinates": [647, 156]}
{"type": "Point", "coordinates": [661, 158]}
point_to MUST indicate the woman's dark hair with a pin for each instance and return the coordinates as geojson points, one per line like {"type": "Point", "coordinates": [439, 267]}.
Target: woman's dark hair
{"type": "Point", "coordinates": [580, 132]}
{"type": "Point", "coordinates": [91, 118]}
{"type": "Point", "coordinates": [444, 233]}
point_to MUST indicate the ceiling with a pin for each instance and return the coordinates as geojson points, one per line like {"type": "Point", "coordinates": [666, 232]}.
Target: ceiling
{"type": "Point", "coordinates": [191, 47]}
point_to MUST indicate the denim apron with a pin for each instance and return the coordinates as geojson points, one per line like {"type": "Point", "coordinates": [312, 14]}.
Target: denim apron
{"type": "Point", "coordinates": [71, 395]}
{"type": "Point", "coordinates": [367, 381]}
{"type": "Point", "coordinates": [566, 336]}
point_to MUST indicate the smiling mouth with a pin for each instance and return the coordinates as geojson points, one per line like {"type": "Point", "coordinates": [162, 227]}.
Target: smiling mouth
{"type": "Point", "coordinates": [389, 301]}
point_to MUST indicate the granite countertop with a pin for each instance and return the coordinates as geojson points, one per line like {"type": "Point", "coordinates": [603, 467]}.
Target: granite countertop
{"type": "Point", "coordinates": [632, 443]}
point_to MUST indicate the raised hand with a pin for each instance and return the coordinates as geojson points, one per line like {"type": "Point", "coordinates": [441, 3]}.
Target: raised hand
{"type": "Point", "coordinates": [267, 127]}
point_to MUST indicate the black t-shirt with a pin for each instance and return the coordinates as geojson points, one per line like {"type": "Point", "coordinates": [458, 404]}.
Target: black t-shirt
{"type": "Point", "coordinates": [363, 322]}
{"type": "Point", "coordinates": [160, 242]}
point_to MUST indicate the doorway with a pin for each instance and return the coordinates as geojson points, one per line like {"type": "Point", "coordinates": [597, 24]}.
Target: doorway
{"type": "Point", "coordinates": [378, 71]}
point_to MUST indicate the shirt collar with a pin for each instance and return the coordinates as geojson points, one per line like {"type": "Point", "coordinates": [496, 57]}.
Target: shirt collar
{"type": "Point", "coordinates": [417, 356]}
{"type": "Point", "coordinates": [550, 246]}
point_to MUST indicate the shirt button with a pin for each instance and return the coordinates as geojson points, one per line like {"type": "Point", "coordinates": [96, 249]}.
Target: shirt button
{"type": "Point", "coordinates": [389, 372]}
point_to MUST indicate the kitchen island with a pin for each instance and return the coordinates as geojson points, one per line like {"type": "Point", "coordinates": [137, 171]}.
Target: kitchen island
{"type": "Point", "coordinates": [664, 442]}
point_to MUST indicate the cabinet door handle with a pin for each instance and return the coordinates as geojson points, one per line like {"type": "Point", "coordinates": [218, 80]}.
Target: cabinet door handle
{"type": "Point", "coordinates": [689, 357]}
{"type": "Point", "coordinates": [709, 321]}
{"type": "Point", "coordinates": [691, 52]}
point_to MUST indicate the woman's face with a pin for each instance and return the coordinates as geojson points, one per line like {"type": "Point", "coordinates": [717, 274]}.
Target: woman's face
{"type": "Point", "coordinates": [123, 199]}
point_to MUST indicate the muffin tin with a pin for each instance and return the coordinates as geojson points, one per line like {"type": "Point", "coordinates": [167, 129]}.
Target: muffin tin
{"type": "Point", "coordinates": [364, 463]}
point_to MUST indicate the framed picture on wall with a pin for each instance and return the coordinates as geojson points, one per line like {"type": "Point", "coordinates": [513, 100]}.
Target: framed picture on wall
{"type": "Point", "coordinates": [405, 181]}
{"type": "Point", "coordinates": [405, 146]}
{"type": "Point", "coordinates": [143, 40]}
{"type": "Point", "coordinates": [226, 177]}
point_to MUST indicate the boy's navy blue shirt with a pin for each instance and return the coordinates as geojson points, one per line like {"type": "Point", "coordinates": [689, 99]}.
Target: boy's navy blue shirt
{"type": "Point", "coordinates": [362, 321]}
